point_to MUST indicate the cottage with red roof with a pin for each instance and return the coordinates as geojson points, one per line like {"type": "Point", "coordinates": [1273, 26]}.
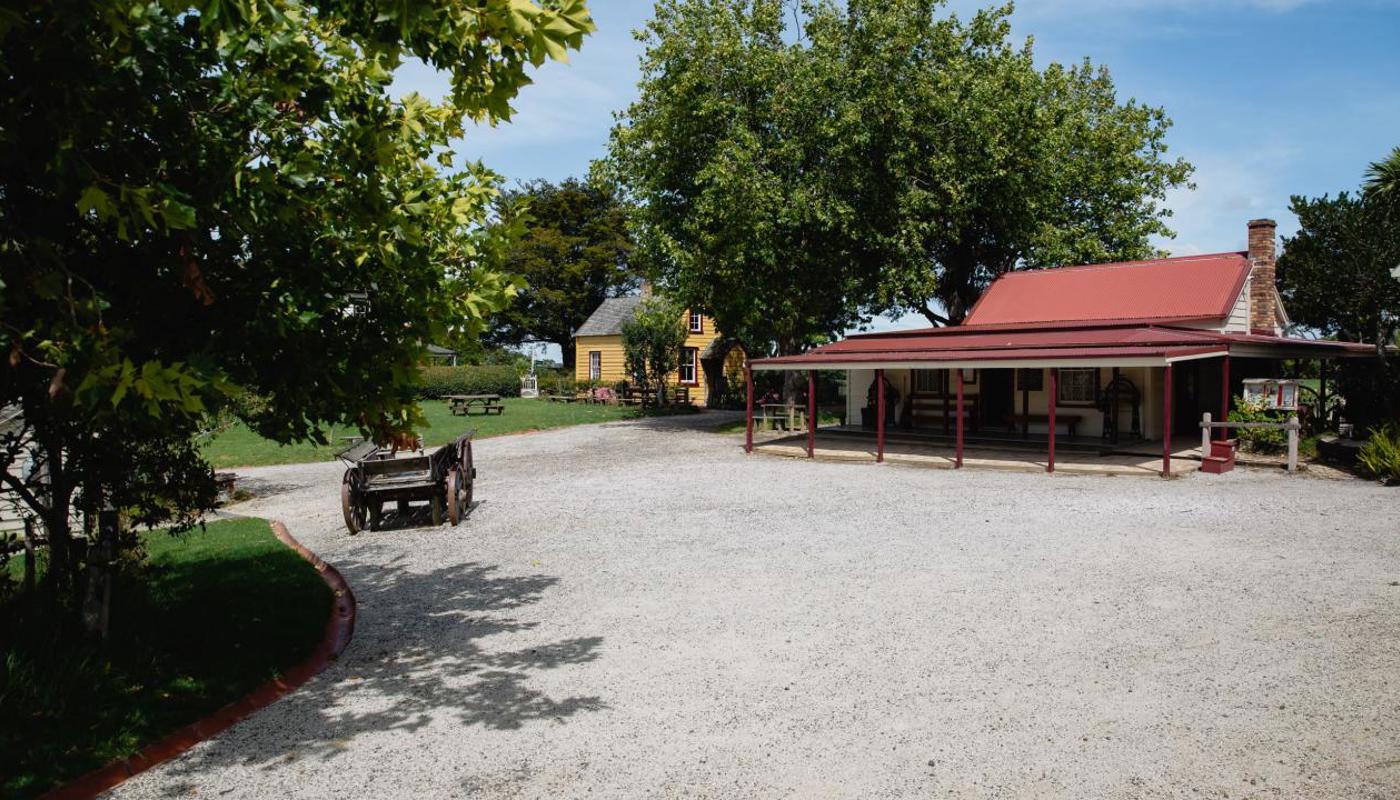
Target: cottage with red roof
{"type": "Point", "coordinates": [1112, 355]}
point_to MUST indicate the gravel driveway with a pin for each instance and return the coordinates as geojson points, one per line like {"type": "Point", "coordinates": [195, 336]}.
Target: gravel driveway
{"type": "Point", "coordinates": [640, 610]}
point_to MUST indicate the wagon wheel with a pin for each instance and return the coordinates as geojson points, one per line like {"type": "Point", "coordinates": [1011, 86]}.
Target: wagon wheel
{"type": "Point", "coordinates": [353, 510]}
{"type": "Point", "coordinates": [467, 496]}
{"type": "Point", "coordinates": [469, 479]}
{"type": "Point", "coordinates": [454, 497]}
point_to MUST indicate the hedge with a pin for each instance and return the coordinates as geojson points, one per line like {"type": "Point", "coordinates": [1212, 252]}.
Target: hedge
{"type": "Point", "coordinates": [434, 382]}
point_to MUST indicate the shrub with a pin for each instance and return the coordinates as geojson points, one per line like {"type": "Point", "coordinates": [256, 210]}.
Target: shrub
{"type": "Point", "coordinates": [1259, 440]}
{"type": "Point", "coordinates": [434, 382]}
{"type": "Point", "coordinates": [1380, 456]}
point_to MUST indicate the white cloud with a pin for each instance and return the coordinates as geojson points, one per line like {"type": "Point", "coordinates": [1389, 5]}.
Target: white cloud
{"type": "Point", "coordinates": [1233, 186]}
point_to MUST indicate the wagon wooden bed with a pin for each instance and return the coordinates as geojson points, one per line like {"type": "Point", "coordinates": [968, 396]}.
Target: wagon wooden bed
{"type": "Point", "coordinates": [375, 476]}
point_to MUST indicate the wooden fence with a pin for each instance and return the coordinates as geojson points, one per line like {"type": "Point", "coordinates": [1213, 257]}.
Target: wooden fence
{"type": "Point", "coordinates": [1292, 426]}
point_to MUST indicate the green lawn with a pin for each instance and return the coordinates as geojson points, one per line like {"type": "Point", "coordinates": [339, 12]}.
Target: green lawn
{"type": "Point", "coordinates": [219, 612]}
{"type": "Point", "coordinates": [240, 447]}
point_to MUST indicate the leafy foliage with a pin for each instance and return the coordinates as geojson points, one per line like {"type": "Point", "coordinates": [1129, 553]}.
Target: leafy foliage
{"type": "Point", "coordinates": [1261, 440]}
{"type": "Point", "coordinates": [652, 341]}
{"type": "Point", "coordinates": [1380, 456]}
{"type": "Point", "coordinates": [725, 153]}
{"type": "Point", "coordinates": [574, 252]}
{"type": "Point", "coordinates": [1383, 183]}
{"type": "Point", "coordinates": [1338, 276]}
{"type": "Point", "coordinates": [1336, 273]}
{"type": "Point", "coordinates": [434, 382]}
{"type": "Point", "coordinates": [795, 177]}
{"type": "Point", "coordinates": [980, 163]}
{"type": "Point", "coordinates": [205, 197]}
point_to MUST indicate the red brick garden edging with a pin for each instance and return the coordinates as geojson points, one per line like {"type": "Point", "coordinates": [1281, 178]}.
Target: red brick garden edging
{"type": "Point", "coordinates": [339, 628]}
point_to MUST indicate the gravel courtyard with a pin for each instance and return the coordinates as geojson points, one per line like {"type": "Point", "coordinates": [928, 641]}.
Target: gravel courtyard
{"type": "Point", "coordinates": [640, 610]}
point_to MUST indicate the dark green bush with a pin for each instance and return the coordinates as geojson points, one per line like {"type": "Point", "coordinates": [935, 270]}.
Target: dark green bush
{"type": "Point", "coordinates": [434, 382]}
{"type": "Point", "coordinates": [1258, 440]}
{"type": "Point", "coordinates": [1380, 457]}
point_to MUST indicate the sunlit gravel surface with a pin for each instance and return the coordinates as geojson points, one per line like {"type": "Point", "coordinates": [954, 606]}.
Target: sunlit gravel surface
{"type": "Point", "coordinates": [640, 610]}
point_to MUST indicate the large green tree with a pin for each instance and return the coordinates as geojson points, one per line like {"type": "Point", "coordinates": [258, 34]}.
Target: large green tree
{"type": "Point", "coordinates": [201, 198]}
{"type": "Point", "coordinates": [969, 161]}
{"type": "Point", "coordinates": [574, 251]}
{"type": "Point", "coordinates": [1338, 275]}
{"type": "Point", "coordinates": [801, 165]}
{"type": "Point", "coordinates": [725, 156]}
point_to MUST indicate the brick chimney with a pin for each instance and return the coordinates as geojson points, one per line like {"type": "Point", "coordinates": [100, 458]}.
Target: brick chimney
{"type": "Point", "coordinates": [1262, 311]}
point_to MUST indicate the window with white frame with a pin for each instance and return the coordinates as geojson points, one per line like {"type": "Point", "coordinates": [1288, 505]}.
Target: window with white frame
{"type": "Point", "coordinates": [1079, 386]}
{"type": "Point", "coordinates": [697, 322]}
{"type": "Point", "coordinates": [931, 381]}
{"type": "Point", "coordinates": [595, 365]}
{"type": "Point", "coordinates": [690, 364]}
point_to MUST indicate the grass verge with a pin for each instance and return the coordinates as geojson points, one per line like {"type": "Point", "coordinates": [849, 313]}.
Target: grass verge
{"type": "Point", "coordinates": [210, 616]}
{"type": "Point", "coordinates": [241, 447]}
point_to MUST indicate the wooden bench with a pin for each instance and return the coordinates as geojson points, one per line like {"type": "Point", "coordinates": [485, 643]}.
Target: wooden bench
{"type": "Point", "coordinates": [781, 416]}
{"type": "Point", "coordinates": [462, 404]}
{"type": "Point", "coordinates": [1070, 421]}
{"type": "Point", "coordinates": [924, 409]}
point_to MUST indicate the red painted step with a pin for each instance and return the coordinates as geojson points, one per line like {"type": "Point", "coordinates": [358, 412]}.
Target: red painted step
{"type": "Point", "coordinates": [1216, 466]}
{"type": "Point", "coordinates": [1221, 458]}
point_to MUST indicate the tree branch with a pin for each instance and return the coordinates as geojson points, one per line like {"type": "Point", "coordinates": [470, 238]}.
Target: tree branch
{"type": "Point", "coordinates": [19, 488]}
{"type": "Point", "coordinates": [929, 314]}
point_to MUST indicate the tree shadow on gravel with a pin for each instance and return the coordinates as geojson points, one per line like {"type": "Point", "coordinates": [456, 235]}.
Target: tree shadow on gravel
{"type": "Point", "coordinates": [417, 656]}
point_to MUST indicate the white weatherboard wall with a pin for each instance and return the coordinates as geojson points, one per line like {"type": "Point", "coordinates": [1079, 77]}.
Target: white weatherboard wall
{"type": "Point", "coordinates": [1236, 322]}
{"type": "Point", "coordinates": [11, 512]}
{"type": "Point", "coordinates": [858, 382]}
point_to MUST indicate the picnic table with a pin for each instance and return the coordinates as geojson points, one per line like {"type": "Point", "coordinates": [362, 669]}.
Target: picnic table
{"type": "Point", "coordinates": [462, 404]}
{"type": "Point", "coordinates": [782, 416]}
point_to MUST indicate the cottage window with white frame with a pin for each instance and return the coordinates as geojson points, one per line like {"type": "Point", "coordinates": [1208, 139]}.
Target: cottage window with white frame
{"type": "Point", "coordinates": [690, 357]}
{"type": "Point", "coordinates": [595, 365]}
{"type": "Point", "coordinates": [697, 322]}
{"type": "Point", "coordinates": [1079, 386]}
{"type": "Point", "coordinates": [931, 381]}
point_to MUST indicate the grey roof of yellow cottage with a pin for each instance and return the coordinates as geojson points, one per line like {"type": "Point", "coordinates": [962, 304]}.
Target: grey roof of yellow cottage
{"type": "Point", "coordinates": [609, 317]}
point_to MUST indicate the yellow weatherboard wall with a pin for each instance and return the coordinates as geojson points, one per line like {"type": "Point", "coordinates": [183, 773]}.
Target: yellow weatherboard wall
{"type": "Point", "coordinates": [612, 358]}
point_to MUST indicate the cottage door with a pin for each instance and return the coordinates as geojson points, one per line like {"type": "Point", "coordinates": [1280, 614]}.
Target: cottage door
{"type": "Point", "coordinates": [997, 395]}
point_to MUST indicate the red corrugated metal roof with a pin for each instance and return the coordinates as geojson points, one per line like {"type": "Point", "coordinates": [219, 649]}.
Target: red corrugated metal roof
{"type": "Point", "coordinates": [1067, 354]}
{"type": "Point", "coordinates": [1055, 343]}
{"type": "Point", "coordinates": [969, 338]}
{"type": "Point", "coordinates": [1160, 290]}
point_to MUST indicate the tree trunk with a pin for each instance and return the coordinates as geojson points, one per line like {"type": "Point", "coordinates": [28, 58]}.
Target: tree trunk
{"type": "Point", "coordinates": [98, 597]}
{"type": "Point", "coordinates": [793, 384]}
{"type": "Point", "coordinates": [59, 496]}
{"type": "Point", "coordinates": [567, 356]}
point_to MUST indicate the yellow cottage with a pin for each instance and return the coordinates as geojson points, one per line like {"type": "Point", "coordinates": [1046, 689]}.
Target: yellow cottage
{"type": "Point", "coordinates": [709, 361]}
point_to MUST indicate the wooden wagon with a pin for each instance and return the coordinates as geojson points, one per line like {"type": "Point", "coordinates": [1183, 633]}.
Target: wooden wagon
{"type": "Point", "coordinates": [375, 476]}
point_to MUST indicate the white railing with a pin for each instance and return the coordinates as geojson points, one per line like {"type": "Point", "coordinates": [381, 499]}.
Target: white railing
{"type": "Point", "coordinates": [1292, 426]}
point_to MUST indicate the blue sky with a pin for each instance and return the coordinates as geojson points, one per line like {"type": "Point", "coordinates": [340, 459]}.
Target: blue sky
{"type": "Point", "coordinates": [1268, 97]}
